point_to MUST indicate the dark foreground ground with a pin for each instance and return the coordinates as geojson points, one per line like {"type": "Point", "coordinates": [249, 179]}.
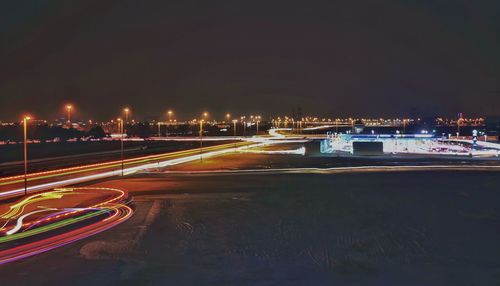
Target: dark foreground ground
{"type": "Point", "coordinates": [419, 228]}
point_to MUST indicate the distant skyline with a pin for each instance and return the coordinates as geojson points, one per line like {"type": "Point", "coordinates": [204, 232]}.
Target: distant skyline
{"type": "Point", "coordinates": [332, 58]}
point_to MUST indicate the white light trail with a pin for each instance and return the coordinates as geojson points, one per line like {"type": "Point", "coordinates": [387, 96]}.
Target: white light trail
{"type": "Point", "coordinates": [19, 223]}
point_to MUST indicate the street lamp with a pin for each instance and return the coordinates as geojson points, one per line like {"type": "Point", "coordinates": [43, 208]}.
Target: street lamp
{"type": "Point", "coordinates": [69, 107]}
{"type": "Point", "coordinates": [234, 126]}
{"type": "Point", "coordinates": [25, 125]}
{"type": "Point", "coordinates": [169, 113]}
{"type": "Point", "coordinates": [243, 120]}
{"type": "Point", "coordinates": [120, 129]}
{"type": "Point", "coordinates": [258, 121]}
{"type": "Point", "coordinates": [228, 117]}
{"type": "Point", "coordinates": [205, 115]}
{"type": "Point", "coordinates": [127, 111]}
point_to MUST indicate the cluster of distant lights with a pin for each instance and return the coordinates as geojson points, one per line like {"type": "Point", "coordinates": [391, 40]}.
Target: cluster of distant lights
{"type": "Point", "coordinates": [464, 121]}
{"type": "Point", "coordinates": [375, 121]}
{"type": "Point", "coordinates": [127, 112]}
{"type": "Point", "coordinates": [285, 119]}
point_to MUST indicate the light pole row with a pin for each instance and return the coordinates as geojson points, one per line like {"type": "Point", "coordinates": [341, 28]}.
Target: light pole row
{"type": "Point", "coordinates": [121, 129]}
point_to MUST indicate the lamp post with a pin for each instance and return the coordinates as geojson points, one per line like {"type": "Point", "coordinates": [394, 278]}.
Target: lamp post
{"type": "Point", "coordinates": [169, 113]}
{"type": "Point", "coordinates": [69, 107]}
{"type": "Point", "coordinates": [205, 115]}
{"type": "Point", "coordinates": [121, 129]}
{"type": "Point", "coordinates": [25, 125]}
{"type": "Point", "coordinates": [258, 121]}
{"type": "Point", "coordinates": [234, 127]}
{"type": "Point", "coordinates": [127, 111]}
{"type": "Point", "coordinates": [243, 120]}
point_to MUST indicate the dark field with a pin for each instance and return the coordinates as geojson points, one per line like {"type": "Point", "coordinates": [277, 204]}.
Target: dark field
{"type": "Point", "coordinates": [415, 228]}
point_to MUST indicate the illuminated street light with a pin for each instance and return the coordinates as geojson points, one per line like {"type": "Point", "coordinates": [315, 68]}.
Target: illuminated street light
{"type": "Point", "coordinates": [169, 113]}
{"type": "Point", "coordinates": [120, 129]}
{"type": "Point", "coordinates": [234, 126]}
{"type": "Point", "coordinates": [258, 121]}
{"type": "Point", "coordinates": [228, 117]}
{"type": "Point", "coordinates": [69, 107]}
{"type": "Point", "coordinates": [243, 120]}
{"type": "Point", "coordinates": [205, 115]}
{"type": "Point", "coordinates": [25, 124]}
{"type": "Point", "coordinates": [201, 140]}
{"type": "Point", "coordinates": [127, 111]}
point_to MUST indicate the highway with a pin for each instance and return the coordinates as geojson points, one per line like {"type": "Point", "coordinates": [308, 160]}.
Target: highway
{"type": "Point", "coordinates": [14, 185]}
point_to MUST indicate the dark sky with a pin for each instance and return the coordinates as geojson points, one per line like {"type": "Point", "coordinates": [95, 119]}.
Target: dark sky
{"type": "Point", "coordinates": [332, 58]}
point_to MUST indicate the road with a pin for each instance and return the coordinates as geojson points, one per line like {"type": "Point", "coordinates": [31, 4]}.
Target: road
{"type": "Point", "coordinates": [14, 185]}
{"type": "Point", "coordinates": [51, 156]}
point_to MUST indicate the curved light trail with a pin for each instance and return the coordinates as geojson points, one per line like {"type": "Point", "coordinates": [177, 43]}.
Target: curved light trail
{"type": "Point", "coordinates": [49, 220]}
{"type": "Point", "coordinates": [19, 223]}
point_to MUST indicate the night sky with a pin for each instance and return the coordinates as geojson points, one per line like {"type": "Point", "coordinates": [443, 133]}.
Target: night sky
{"type": "Point", "coordinates": [332, 58]}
